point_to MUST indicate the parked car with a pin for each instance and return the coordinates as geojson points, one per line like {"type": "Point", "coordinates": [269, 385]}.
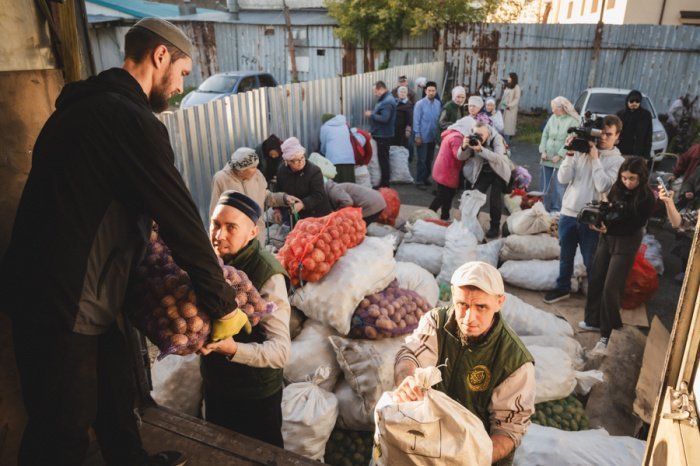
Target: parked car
{"type": "Point", "coordinates": [602, 101]}
{"type": "Point", "coordinates": [221, 85]}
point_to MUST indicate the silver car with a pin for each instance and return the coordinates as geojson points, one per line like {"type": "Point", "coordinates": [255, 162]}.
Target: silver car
{"type": "Point", "coordinates": [602, 101]}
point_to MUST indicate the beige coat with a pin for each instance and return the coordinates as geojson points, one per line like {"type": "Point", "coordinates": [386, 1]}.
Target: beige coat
{"type": "Point", "coordinates": [509, 104]}
{"type": "Point", "coordinates": [255, 188]}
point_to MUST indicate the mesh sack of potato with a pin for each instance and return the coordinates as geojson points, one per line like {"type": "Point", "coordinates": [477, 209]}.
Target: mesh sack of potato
{"type": "Point", "coordinates": [388, 313]}
{"type": "Point", "coordinates": [167, 312]}
{"type": "Point", "coordinates": [316, 244]}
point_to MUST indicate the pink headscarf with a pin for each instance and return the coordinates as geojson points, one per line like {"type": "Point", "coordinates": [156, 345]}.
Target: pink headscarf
{"type": "Point", "coordinates": [291, 147]}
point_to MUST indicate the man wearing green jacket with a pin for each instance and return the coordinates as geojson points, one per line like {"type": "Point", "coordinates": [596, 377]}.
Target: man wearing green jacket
{"type": "Point", "coordinates": [484, 365]}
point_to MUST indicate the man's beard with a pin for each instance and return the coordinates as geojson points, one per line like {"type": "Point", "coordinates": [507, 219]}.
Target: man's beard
{"type": "Point", "coordinates": [158, 100]}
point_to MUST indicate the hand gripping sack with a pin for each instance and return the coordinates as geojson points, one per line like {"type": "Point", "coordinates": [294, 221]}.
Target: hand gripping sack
{"type": "Point", "coordinates": [642, 282]}
{"type": "Point", "coordinates": [316, 244]}
{"type": "Point", "coordinates": [436, 430]}
{"type": "Point", "coordinates": [529, 221]}
{"type": "Point", "coordinates": [308, 416]}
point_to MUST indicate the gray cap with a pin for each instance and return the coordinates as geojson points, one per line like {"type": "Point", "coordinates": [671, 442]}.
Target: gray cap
{"type": "Point", "coordinates": [167, 31]}
{"type": "Point", "coordinates": [481, 275]}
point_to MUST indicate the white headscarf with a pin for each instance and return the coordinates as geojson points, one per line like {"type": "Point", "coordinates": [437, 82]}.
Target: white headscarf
{"type": "Point", "coordinates": [476, 101]}
{"type": "Point", "coordinates": [458, 90]}
{"type": "Point", "coordinates": [566, 105]}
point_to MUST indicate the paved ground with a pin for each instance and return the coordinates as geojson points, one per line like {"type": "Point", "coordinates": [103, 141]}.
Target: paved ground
{"type": "Point", "coordinates": [664, 302]}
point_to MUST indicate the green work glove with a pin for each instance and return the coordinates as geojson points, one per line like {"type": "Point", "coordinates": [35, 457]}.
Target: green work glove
{"type": "Point", "coordinates": [224, 328]}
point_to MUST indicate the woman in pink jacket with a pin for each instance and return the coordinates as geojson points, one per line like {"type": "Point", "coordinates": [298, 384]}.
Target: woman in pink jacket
{"type": "Point", "coordinates": [447, 166]}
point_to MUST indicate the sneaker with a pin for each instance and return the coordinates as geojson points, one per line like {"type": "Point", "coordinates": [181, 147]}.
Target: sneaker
{"type": "Point", "coordinates": [600, 349]}
{"type": "Point", "coordinates": [555, 296]}
{"type": "Point", "coordinates": [167, 458]}
{"type": "Point", "coordinates": [587, 328]}
{"type": "Point", "coordinates": [494, 232]}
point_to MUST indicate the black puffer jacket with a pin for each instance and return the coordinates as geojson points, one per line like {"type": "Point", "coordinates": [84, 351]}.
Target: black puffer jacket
{"type": "Point", "coordinates": [102, 168]}
{"type": "Point", "coordinates": [637, 130]}
{"type": "Point", "coordinates": [307, 185]}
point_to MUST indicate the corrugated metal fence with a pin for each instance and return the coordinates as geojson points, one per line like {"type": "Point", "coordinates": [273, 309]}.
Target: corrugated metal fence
{"type": "Point", "coordinates": [203, 137]}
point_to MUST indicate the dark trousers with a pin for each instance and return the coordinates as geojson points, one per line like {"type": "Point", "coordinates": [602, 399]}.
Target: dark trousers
{"type": "Point", "coordinates": [346, 173]}
{"type": "Point", "coordinates": [612, 262]}
{"type": "Point", "coordinates": [383, 156]}
{"type": "Point", "coordinates": [71, 382]}
{"type": "Point", "coordinates": [260, 419]}
{"type": "Point", "coordinates": [498, 186]}
{"type": "Point", "coordinates": [443, 201]}
{"type": "Point", "coordinates": [424, 164]}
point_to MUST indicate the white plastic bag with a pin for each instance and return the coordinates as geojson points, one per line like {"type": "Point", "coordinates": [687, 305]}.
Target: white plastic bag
{"type": "Point", "coordinates": [548, 445]}
{"type": "Point", "coordinates": [362, 176]}
{"type": "Point", "coordinates": [460, 247]}
{"type": "Point", "coordinates": [436, 430]}
{"type": "Point", "coordinates": [512, 203]}
{"type": "Point", "coordinates": [375, 173]}
{"type": "Point", "coordinates": [425, 233]}
{"type": "Point", "coordinates": [311, 350]}
{"type": "Point", "coordinates": [555, 376]}
{"type": "Point", "coordinates": [177, 384]}
{"type": "Point", "coordinates": [368, 366]}
{"type": "Point", "coordinates": [414, 277]}
{"type": "Point", "coordinates": [567, 344]}
{"type": "Point", "coordinates": [526, 319]}
{"type": "Point", "coordinates": [534, 274]}
{"type": "Point", "coordinates": [365, 269]}
{"type": "Point", "coordinates": [653, 254]}
{"type": "Point", "coordinates": [349, 417]}
{"type": "Point", "coordinates": [327, 167]}
{"type": "Point", "coordinates": [469, 205]}
{"type": "Point", "coordinates": [524, 247]}
{"type": "Point", "coordinates": [398, 161]}
{"type": "Point", "coordinates": [308, 416]}
{"type": "Point", "coordinates": [529, 221]}
{"type": "Point", "coordinates": [427, 256]}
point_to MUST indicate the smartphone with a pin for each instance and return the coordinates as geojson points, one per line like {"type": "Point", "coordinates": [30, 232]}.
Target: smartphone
{"type": "Point", "coordinates": [662, 184]}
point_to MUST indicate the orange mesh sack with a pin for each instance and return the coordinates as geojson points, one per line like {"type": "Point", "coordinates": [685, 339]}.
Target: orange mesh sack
{"type": "Point", "coordinates": [393, 204]}
{"type": "Point", "coordinates": [316, 244]}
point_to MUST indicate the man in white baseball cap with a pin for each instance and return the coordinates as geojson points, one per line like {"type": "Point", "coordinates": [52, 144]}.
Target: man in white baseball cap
{"type": "Point", "coordinates": [484, 365]}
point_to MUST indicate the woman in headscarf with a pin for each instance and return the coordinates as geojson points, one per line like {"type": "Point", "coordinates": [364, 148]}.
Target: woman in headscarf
{"type": "Point", "coordinates": [241, 174]}
{"type": "Point", "coordinates": [494, 114]}
{"type": "Point", "coordinates": [552, 151]}
{"type": "Point", "coordinates": [269, 155]}
{"type": "Point", "coordinates": [404, 118]}
{"type": "Point", "coordinates": [509, 105]}
{"type": "Point", "coordinates": [448, 167]}
{"type": "Point", "coordinates": [454, 109]}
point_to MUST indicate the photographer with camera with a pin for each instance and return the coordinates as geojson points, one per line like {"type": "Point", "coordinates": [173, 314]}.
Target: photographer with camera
{"type": "Point", "coordinates": [589, 173]}
{"type": "Point", "coordinates": [621, 225]}
{"type": "Point", "coordinates": [487, 165]}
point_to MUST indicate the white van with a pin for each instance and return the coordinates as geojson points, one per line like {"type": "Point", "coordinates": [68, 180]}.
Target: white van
{"type": "Point", "coordinates": [602, 101]}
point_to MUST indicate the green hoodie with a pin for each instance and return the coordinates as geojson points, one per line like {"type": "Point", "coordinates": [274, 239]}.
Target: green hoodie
{"type": "Point", "coordinates": [553, 137]}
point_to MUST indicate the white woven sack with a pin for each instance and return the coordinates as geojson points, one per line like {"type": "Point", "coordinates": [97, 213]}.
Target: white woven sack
{"type": "Point", "coordinates": [526, 319]}
{"type": "Point", "coordinates": [177, 384]}
{"type": "Point", "coordinates": [349, 417]}
{"type": "Point", "coordinates": [525, 247]}
{"type": "Point", "coordinates": [375, 173]}
{"type": "Point", "coordinates": [490, 251]}
{"type": "Point", "coordinates": [512, 203]}
{"type": "Point", "coordinates": [380, 230]}
{"type": "Point", "coordinates": [427, 256]}
{"type": "Point", "coordinates": [308, 416]}
{"type": "Point", "coordinates": [414, 277]}
{"type": "Point", "coordinates": [434, 430]}
{"type": "Point", "coordinates": [422, 214]}
{"type": "Point", "coordinates": [549, 445]}
{"type": "Point", "coordinates": [460, 247]}
{"type": "Point", "coordinates": [368, 366]}
{"type": "Point", "coordinates": [567, 344]}
{"type": "Point", "coordinates": [327, 167]}
{"type": "Point", "coordinates": [425, 233]}
{"type": "Point", "coordinates": [555, 376]}
{"type": "Point", "coordinates": [362, 176]}
{"type": "Point", "coordinates": [365, 269]}
{"type": "Point", "coordinates": [534, 274]}
{"type": "Point", "coordinates": [529, 221]}
{"type": "Point", "coordinates": [398, 162]}
{"type": "Point", "coordinates": [311, 350]}
{"type": "Point", "coordinates": [469, 205]}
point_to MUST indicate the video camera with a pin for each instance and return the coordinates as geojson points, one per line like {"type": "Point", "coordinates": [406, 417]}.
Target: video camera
{"type": "Point", "coordinates": [590, 130]}
{"type": "Point", "coordinates": [598, 212]}
{"type": "Point", "coordinates": [474, 140]}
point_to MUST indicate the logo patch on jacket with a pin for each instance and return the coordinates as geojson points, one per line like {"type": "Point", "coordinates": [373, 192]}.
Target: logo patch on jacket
{"type": "Point", "coordinates": [479, 378]}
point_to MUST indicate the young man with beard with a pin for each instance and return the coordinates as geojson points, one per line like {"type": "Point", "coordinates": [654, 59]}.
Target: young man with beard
{"type": "Point", "coordinates": [243, 377]}
{"type": "Point", "coordinates": [637, 127]}
{"type": "Point", "coordinates": [102, 171]}
{"type": "Point", "coordinates": [484, 365]}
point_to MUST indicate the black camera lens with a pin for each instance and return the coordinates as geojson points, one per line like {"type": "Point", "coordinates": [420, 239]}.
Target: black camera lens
{"type": "Point", "coordinates": [474, 140]}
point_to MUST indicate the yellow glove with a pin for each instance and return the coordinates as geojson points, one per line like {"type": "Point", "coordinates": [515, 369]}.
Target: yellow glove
{"type": "Point", "coordinates": [222, 329]}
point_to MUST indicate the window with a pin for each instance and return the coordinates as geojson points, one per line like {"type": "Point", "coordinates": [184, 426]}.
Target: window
{"type": "Point", "coordinates": [583, 7]}
{"type": "Point", "coordinates": [610, 4]}
{"type": "Point", "coordinates": [248, 84]}
{"type": "Point", "coordinates": [321, 52]}
{"type": "Point", "coordinates": [267, 81]}
{"type": "Point", "coordinates": [579, 102]}
{"type": "Point", "coordinates": [269, 30]}
{"type": "Point", "coordinates": [218, 83]}
{"type": "Point", "coordinates": [569, 10]}
{"type": "Point", "coordinates": [594, 6]}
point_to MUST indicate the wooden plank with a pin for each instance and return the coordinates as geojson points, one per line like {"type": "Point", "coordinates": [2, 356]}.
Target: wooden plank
{"type": "Point", "coordinates": [649, 382]}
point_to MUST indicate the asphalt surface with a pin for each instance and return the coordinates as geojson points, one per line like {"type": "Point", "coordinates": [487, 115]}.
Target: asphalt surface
{"type": "Point", "coordinates": [663, 304]}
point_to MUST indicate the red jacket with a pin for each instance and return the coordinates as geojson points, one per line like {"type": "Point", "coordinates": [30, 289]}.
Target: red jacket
{"type": "Point", "coordinates": [447, 167]}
